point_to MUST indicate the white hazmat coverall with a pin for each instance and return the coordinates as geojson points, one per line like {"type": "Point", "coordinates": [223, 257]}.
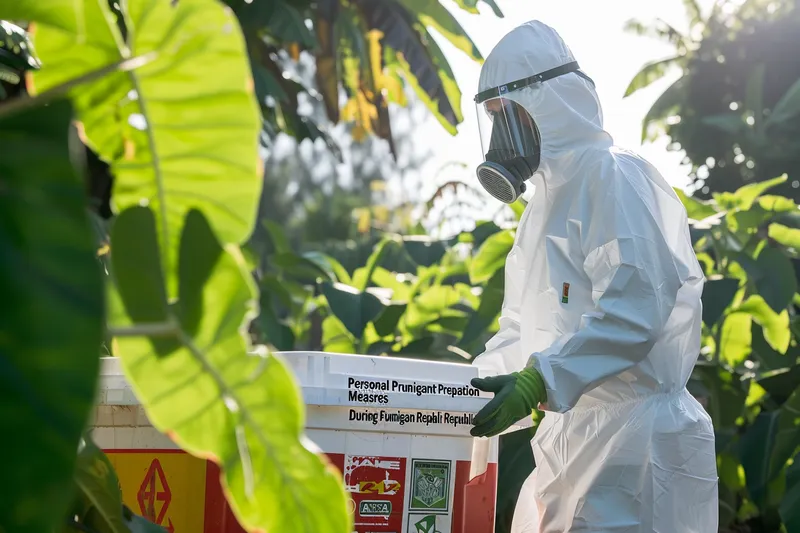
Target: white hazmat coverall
{"type": "Point", "coordinates": [624, 447]}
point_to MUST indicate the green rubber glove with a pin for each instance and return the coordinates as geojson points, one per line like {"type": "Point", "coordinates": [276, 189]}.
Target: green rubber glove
{"type": "Point", "coordinates": [516, 396]}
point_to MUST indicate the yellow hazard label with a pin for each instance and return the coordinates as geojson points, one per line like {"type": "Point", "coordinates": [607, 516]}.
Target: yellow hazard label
{"type": "Point", "coordinates": [167, 487]}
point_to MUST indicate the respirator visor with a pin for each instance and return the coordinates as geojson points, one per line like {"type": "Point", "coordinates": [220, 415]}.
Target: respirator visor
{"type": "Point", "coordinates": [511, 147]}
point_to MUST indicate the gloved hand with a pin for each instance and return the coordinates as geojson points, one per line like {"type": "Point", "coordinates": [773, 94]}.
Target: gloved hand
{"type": "Point", "coordinates": [516, 396]}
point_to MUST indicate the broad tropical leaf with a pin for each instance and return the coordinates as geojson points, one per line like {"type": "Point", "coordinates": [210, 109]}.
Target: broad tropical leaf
{"type": "Point", "coordinates": [650, 73]}
{"type": "Point", "coordinates": [51, 317]}
{"type": "Point", "coordinates": [199, 373]}
{"type": "Point", "coordinates": [180, 131]}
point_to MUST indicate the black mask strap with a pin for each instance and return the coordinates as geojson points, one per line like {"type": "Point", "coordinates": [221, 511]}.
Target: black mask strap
{"type": "Point", "coordinates": [567, 68]}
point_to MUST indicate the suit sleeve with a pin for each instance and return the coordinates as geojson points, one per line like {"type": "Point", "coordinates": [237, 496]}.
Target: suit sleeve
{"type": "Point", "coordinates": [635, 281]}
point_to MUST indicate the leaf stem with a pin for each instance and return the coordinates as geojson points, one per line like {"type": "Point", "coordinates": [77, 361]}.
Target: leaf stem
{"type": "Point", "coordinates": [124, 65]}
{"type": "Point", "coordinates": [157, 329]}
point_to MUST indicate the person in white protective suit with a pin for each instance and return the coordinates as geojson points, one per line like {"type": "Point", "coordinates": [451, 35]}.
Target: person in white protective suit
{"type": "Point", "coordinates": [600, 326]}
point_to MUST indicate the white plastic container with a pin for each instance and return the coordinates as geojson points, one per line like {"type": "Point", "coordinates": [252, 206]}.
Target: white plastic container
{"type": "Point", "coordinates": [398, 429]}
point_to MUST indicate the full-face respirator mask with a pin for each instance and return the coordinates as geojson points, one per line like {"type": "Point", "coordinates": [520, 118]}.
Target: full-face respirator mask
{"type": "Point", "coordinates": [510, 139]}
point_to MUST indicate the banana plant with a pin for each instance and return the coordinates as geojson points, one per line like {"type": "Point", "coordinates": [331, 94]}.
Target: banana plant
{"type": "Point", "coordinates": [365, 52]}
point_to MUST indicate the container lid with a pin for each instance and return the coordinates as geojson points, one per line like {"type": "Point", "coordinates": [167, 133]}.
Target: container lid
{"type": "Point", "coordinates": [375, 381]}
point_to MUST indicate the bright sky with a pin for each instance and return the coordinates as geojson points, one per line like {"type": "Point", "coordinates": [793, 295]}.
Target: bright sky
{"type": "Point", "coordinates": [593, 30]}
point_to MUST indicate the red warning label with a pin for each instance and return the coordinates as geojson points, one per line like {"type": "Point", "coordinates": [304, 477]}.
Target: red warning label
{"type": "Point", "coordinates": [154, 495]}
{"type": "Point", "coordinates": [376, 486]}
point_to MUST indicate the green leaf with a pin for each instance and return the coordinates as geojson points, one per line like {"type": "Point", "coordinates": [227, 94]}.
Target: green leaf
{"type": "Point", "coordinates": [717, 296]}
{"type": "Point", "coordinates": [778, 283]}
{"type": "Point", "coordinates": [386, 323]}
{"type": "Point", "coordinates": [784, 235]}
{"type": "Point", "coordinates": [373, 262]}
{"type": "Point", "coordinates": [491, 304]}
{"type": "Point", "coordinates": [424, 251]}
{"type": "Point", "coordinates": [730, 123]}
{"type": "Point", "coordinates": [275, 332]}
{"type": "Point", "coordinates": [790, 506]}
{"type": "Point", "coordinates": [650, 73]}
{"type": "Point", "coordinates": [665, 105]}
{"type": "Point", "coordinates": [300, 268]}
{"type": "Point", "coordinates": [787, 438]}
{"type": "Point", "coordinates": [330, 265]}
{"type": "Point", "coordinates": [746, 195]}
{"type": "Point", "coordinates": [288, 24]}
{"type": "Point", "coordinates": [277, 238]}
{"type": "Point", "coordinates": [176, 137]}
{"type": "Point", "coordinates": [518, 208]}
{"type": "Point", "coordinates": [735, 338]}
{"type": "Point", "coordinates": [755, 454]}
{"type": "Point", "coordinates": [214, 397]}
{"type": "Point", "coordinates": [484, 230]}
{"type": "Point", "coordinates": [99, 489]}
{"type": "Point", "coordinates": [335, 337]}
{"type": "Point", "coordinates": [51, 318]}
{"type": "Point", "coordinates": [727, 395]}
{"type": "Point", "coordinates": [491, 256]}
{"type": "Point", "coordinates": [432, 14]}
{"type": "Point", "coordinates": [780, 384]}
{"type": "Point", "coordinates": [775, 325]}
{"type": "Point", "coordinates": [787, 107]}
{"type": "Point", "coordinates": [777, 204]}
{"type": "Point", "coordinates": [409, 48]}
{"type": "Point", "coordinates": [354, 308]}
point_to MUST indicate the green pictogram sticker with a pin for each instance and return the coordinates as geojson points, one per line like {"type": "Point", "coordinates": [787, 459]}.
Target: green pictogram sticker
{"type": "Point", "coordinates": [430, 485]}
{"type": "Point", "coordinates": [426, 525]}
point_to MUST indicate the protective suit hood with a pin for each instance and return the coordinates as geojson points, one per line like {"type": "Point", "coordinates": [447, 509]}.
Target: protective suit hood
{"type": "Point", "coordinates": [566, 109]}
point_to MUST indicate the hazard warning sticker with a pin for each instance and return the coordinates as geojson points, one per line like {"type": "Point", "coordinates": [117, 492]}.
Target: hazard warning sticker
{"type": "Point", "coordinates": [166, 487]}
{"type": "Point", "coordinates": [154, 495]}
{"type": "Point", "coordinates": [376, 486]}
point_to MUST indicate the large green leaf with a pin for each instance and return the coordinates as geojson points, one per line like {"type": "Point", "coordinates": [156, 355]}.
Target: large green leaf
{"type": "Point", "coordinates": [667, 103]}
{"type": "Point", "coordinates": [787, 438]}
{"type": "Point", "coordinates": [745, 196]}
{"type": "Point", "coordinates": [99, 505]}
{"type": "Point", "coordinates": [777, 282]}
{"type": "Point", "coordinates": [181, 131]}
{"type": "Point", "coordinates": [780, 384]}
{"type": "Point", "coordinates": [717, 296]}
{"type": "Point", "coordinates": [787, 107]}
{"type": "Point", "coordinates": [650, 73]}
{"type": "Point", "coordinates": [756, 453]}
{"type": "Point", "coordinates": [735, 338]}
{"type": "Point", "coordinates": [410, 49]}
{"type": "Point", "coordinates": [354, 308]}
{"type": "Point", "coordinates": [433, 14]}
{"type": "Point", "coordinates": [216, 399]}
{"type": "Point", "coordinates": [790, 506]}
{"type": "Point", "coordinates": [789, 237]}
{"type": "Point", "coordinates": [424, 250]}
{"type": "Point", "coordinates": [51, 317]}
{"type": "Point", "coordinates": [491, 256]}
{"type": "Point", "coordinates": [775, 325]}
{"type": "Point", "coordinates": [489, 308]}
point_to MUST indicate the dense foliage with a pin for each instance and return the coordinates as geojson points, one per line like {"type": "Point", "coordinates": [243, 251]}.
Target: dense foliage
{"type": "Point", "coordinates": [424, 298]}
{"type": "Point", "coordinates": [365, 52]}
{"type": "Point", "coordinates": [734, 108]}
{"type": "Point", "coordinates": [167, 289]}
